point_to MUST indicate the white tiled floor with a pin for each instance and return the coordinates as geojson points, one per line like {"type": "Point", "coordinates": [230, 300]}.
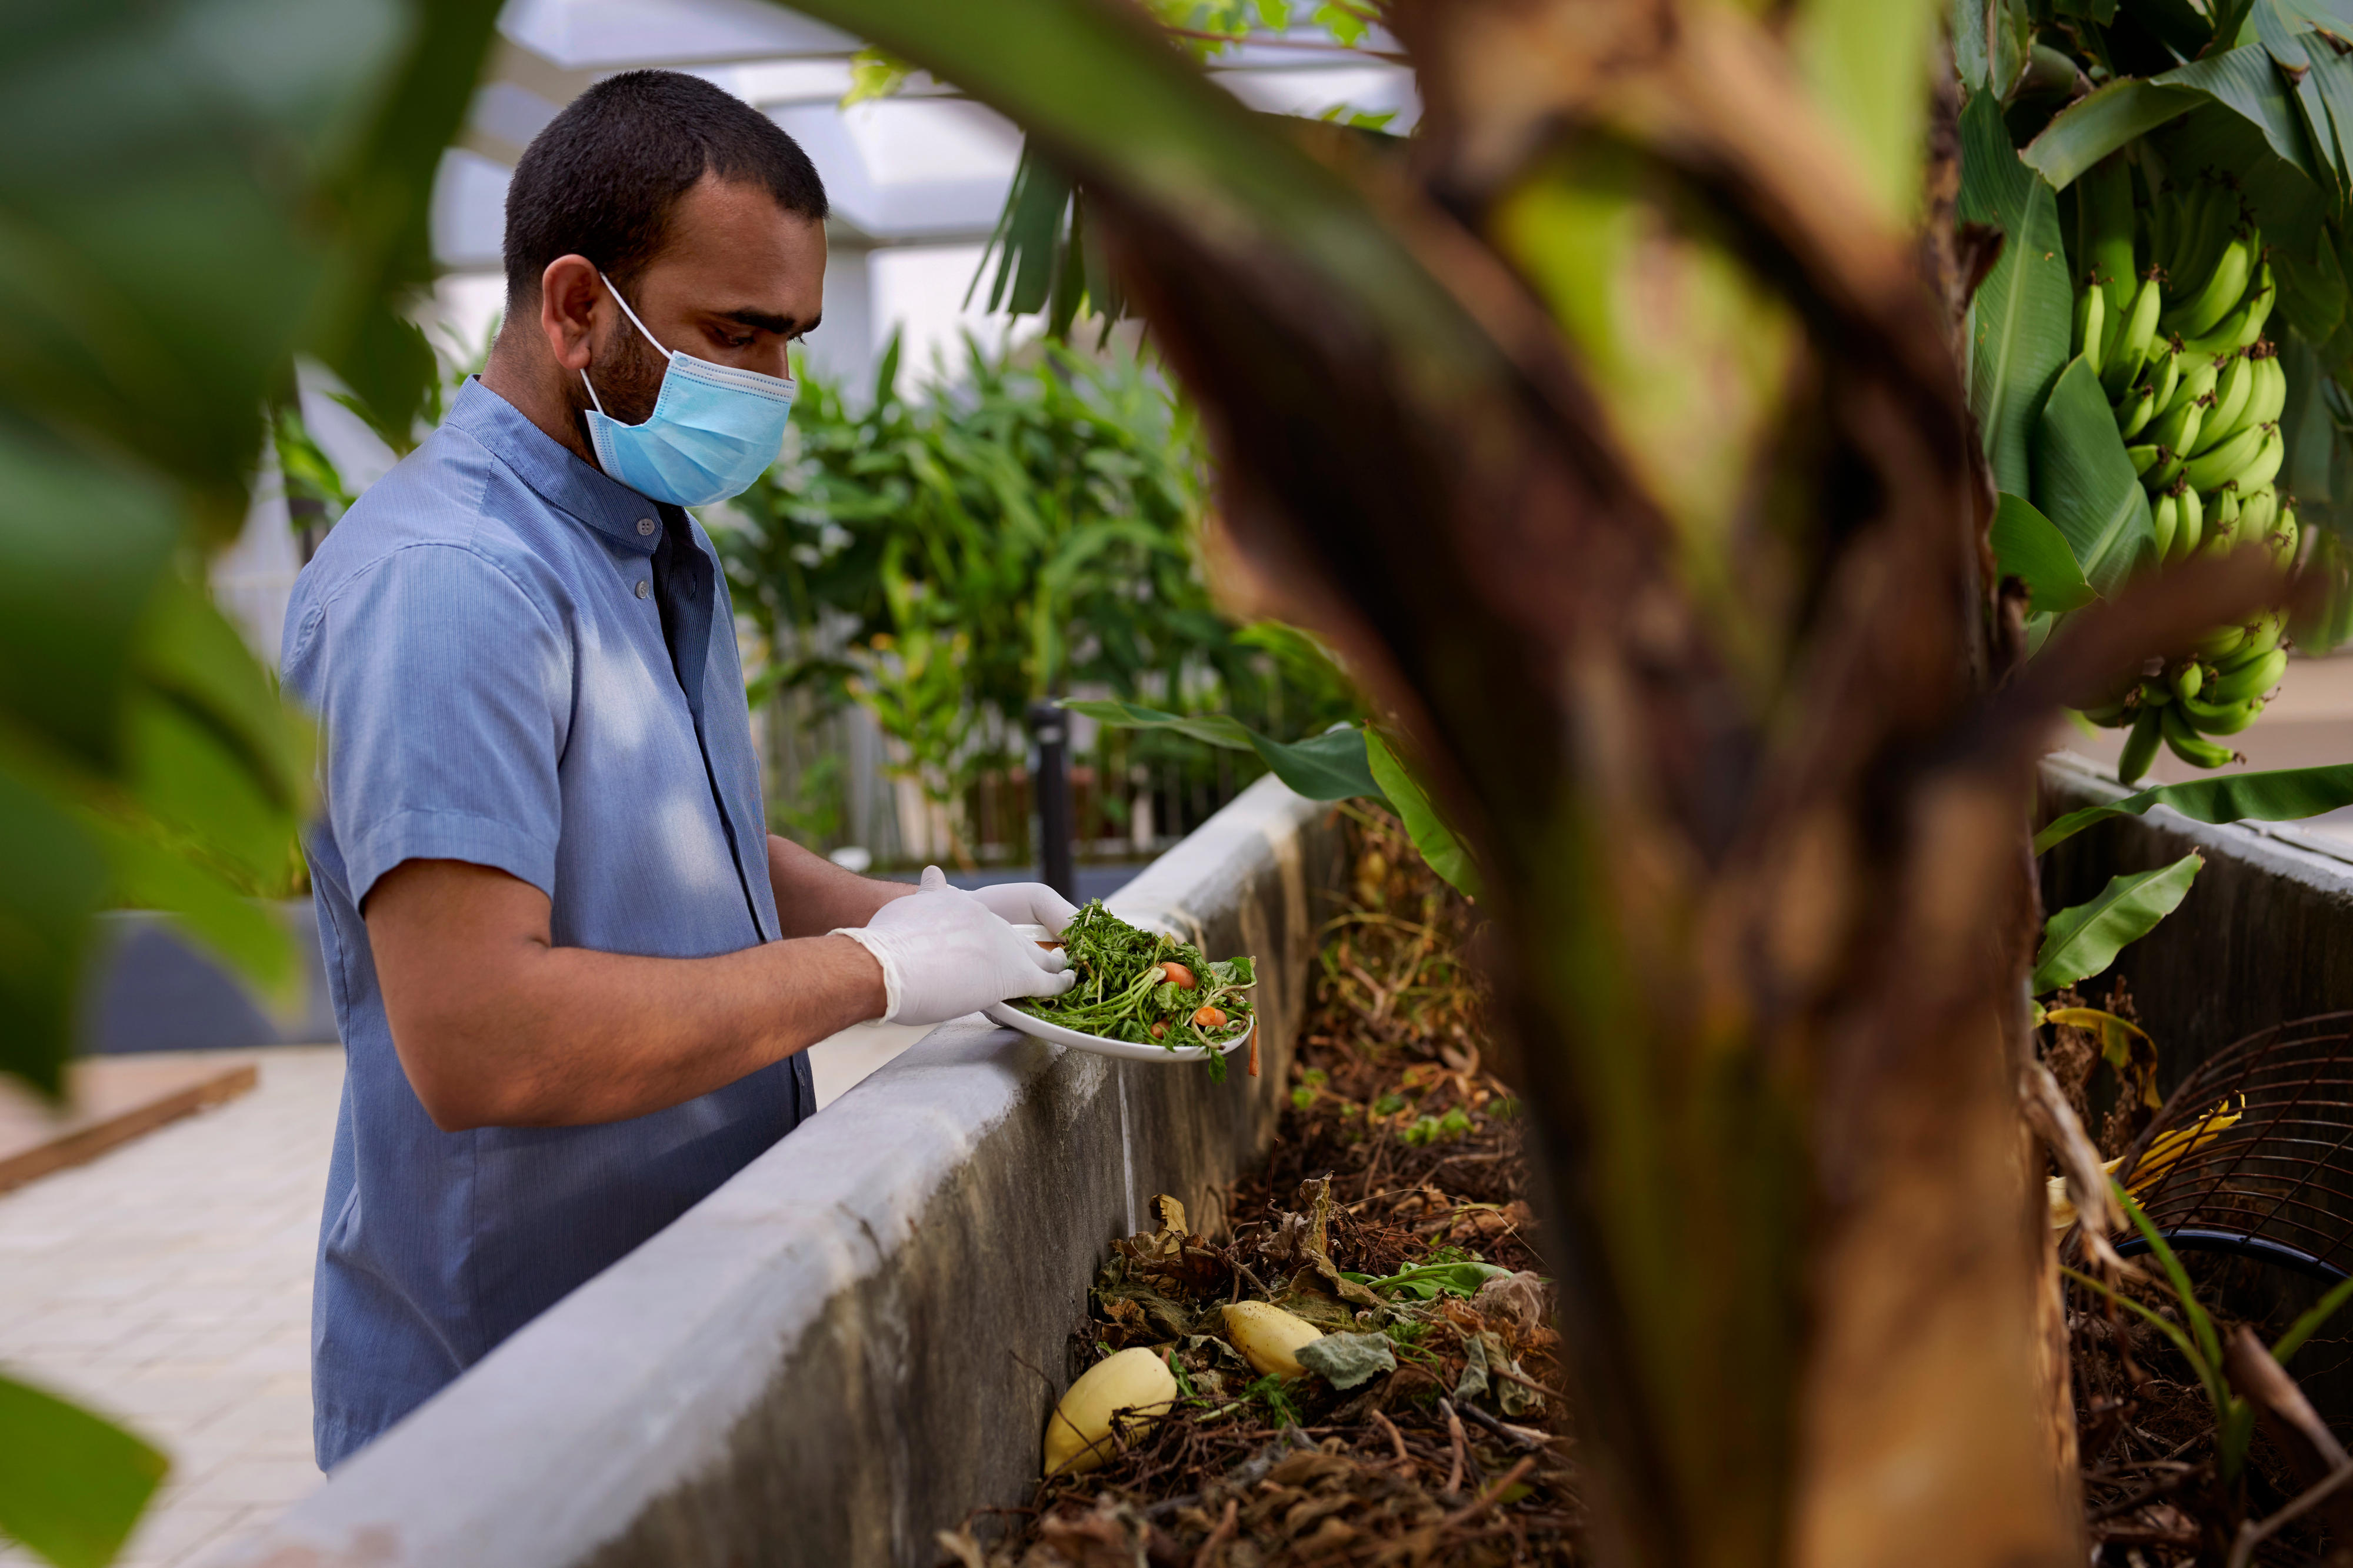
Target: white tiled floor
{"type": "Point", "coordinates": [168, 1284]}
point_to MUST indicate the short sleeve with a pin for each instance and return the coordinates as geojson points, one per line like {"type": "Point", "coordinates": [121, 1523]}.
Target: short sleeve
{"type": "Point", "coordinates": [442, 689]}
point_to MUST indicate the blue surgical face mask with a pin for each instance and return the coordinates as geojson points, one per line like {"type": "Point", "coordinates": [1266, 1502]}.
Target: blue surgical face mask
{"type": "Point", "coordinates": [713, 430]}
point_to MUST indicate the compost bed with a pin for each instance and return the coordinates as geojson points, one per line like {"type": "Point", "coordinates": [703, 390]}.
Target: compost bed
{"type": "Point", "coordinates": [2263, 936]}
{"type": "Point", "coordinates": [1400, 1150]}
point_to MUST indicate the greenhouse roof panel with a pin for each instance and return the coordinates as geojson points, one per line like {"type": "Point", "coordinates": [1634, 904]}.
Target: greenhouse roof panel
{"type": "Point", "coordinates": [619, 33]}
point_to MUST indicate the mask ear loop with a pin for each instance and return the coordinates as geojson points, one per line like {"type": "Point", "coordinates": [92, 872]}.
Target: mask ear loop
{"type": "Point", "coordinates": [666, 353]}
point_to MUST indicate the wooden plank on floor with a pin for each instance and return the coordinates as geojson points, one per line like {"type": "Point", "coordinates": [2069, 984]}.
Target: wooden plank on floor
{"type": "Point", "coordinates": [114, 1099]}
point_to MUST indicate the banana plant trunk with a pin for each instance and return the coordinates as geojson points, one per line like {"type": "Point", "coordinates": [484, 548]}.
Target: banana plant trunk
{"type": "Point", "coordinates": [1613, 429]}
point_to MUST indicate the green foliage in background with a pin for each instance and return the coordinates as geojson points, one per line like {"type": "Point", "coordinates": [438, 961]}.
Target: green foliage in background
{"type": "Point", "coordinates": [192, 192]}
{"type": "Point", "coordinates": [945, 555]}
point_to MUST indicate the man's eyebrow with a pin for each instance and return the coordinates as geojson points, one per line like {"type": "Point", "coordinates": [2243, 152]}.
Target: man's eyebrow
{"type": "Point", "coordinates": [784, 326]}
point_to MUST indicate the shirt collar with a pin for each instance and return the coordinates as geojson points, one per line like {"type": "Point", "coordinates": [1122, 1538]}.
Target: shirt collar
{"type": "Point", "coordinates": [555, 473]}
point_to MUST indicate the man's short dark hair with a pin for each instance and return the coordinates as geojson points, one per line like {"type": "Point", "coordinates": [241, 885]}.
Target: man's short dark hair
{"type": "Point", "coordinates": [602, 179]}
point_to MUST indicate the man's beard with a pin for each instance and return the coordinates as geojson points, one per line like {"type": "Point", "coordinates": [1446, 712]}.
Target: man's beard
{"type": "Point", "coordinates": [628, 376]}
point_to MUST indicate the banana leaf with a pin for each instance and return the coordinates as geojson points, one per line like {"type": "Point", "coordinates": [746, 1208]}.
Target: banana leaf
{"type": "Point", "coordinates": [1970, 56]}
{"type": "Point", "coordinates": [2085, 484]}
{"type": "Point", "coordinates": [1447, 855]}
{"type": "Point", "coordinates": [1029, 239]}
{"type": "Point", "coordinates": [2028, 546]}
{"type": "Point", "coordinates": [1345, 763]}
{"type": "Point", "coordinates": [2332, 78]}
{"type": "Point", "coordinates": [2276, 31]}
{"type": "Point", "coordinates": [2247, 80]}
{"type": "Point", "coordinates": [2081, 942]}
{"type": "Point", "coordinates": [2021, 317]}
{"type": "Point", "coordinates": [2087, 131]}
{"type": "Point", "coordinates": [2287, 794]}
{"type": "Point", "coordinates": [71, 1485]}
{"type": "Point", "coordinates": [2324, 623]}
{"type": "Point", "coordinates": [1330, 767]}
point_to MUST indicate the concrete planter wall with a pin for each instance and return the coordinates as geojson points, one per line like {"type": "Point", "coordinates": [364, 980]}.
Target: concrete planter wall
{"type": "Point", "coordinates": [857, 1338]}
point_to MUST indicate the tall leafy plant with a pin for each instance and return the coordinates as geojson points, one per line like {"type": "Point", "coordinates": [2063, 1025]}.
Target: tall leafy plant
{"type": "Point", "coordinates": [945, 555]}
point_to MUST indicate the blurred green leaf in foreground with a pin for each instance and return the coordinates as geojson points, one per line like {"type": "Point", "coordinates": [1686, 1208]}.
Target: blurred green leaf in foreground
{"type": "Point", "coordinates": [192, 194]}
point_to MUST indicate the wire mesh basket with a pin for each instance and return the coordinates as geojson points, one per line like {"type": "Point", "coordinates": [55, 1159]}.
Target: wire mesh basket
{"type": "Point", "coordinates": [2253, 1154]}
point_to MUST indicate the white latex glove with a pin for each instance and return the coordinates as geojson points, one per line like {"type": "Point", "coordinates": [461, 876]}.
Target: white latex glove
{"type": "Point", "coordinates": [944, 954]}
{"type": "Point", "coordinates": [1027, 903]}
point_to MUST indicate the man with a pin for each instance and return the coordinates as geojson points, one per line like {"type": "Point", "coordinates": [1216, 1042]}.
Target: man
{"type": "Point", "coordinates": [572, 970]}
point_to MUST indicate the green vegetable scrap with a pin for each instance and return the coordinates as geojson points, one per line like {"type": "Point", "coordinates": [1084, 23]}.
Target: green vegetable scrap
{"type": "Point", "coordinates": [1146, 988]}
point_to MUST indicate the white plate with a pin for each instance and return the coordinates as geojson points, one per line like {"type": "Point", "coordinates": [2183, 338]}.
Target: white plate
{"type": "Point", "coordinates": [1013, 1017]}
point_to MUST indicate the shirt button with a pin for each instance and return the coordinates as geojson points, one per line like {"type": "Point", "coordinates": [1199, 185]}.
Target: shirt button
{"type": "Point", "coordinates": [645, 526]}
{"type": "Point", "coordinates": [644, 589]}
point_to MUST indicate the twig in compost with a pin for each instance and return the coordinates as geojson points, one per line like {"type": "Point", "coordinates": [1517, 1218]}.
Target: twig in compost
{"type": "Point", "coordinates": [1454, 1432]}
{"type": "Point", "coordinates": [1218, 1537]}
{"type": "Point", "coordinates": [1527, 1383]}
{"type": "Point", "coordinates": [2251, 1534]}
{"type": "Point", "coordinates": [1396, 1441]}
{"type": "Point", "coordinates": [1504, 1483]}
{"type": "Point", "coordinates": [2147, 1495]}
{"type": "Point", "coordinates": [1523, 1438]}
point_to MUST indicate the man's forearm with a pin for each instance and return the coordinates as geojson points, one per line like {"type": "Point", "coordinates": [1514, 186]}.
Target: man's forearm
{"type": "Point", "coordinates": [814, 896]}
{"type": "Point", "coordinates": [495, 1025]}
{"type": "Point", "coordinates": [581, 1037]}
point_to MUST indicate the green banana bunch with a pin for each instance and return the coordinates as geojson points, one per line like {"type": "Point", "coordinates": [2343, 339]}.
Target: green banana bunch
{"type": "Point", "coordinates": [2169, 313]}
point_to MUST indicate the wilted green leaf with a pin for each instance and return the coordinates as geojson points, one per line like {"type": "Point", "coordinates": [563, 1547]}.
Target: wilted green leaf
{"type": "Point", "coordinates": [2085, 484]}
{"type": "Point", "coordinates": [2027, 546]}
{"type": "Point", "coordinates": [2020, 318]}
{"type": "Point", "coordinates": [2081, 942]}
{"type": "Point", "coordinates": [1446, 854]}
{"type": "Point", "coordinates": [1346, 1361]}
{"type": "Point", "coordinates": [71, 1485]}
{"type": "Point", "coordinates": [2123, 1046]}
{"type": "Point", "coordinates": [1428, 1281]}
{"type": "Point", "coordinates": [2287, 794]}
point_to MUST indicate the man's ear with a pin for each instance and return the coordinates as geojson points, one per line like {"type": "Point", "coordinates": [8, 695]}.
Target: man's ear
{"type": "Point", "coordinates": [570, 295]}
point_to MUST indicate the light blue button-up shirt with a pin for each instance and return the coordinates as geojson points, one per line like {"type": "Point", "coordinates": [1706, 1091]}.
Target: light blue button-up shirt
{"type": "Point", "coordinates": [481, 640]}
